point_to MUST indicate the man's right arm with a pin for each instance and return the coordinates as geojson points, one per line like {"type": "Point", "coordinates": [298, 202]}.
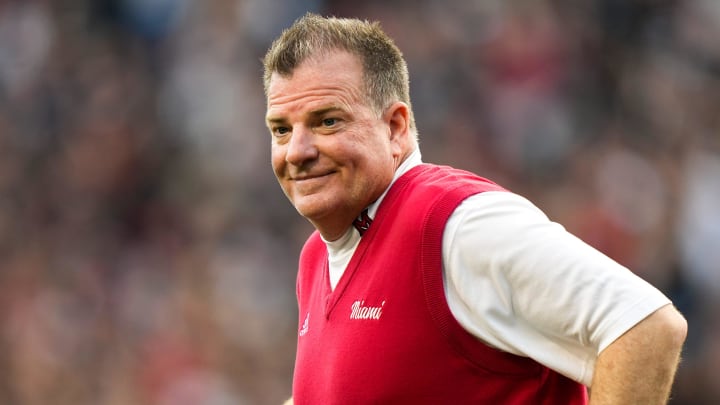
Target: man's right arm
{"type": "Point", "coordinates": [639, 366]}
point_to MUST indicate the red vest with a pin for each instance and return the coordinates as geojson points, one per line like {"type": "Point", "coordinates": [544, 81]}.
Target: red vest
{"type": "Point", "coordinates": [386, 335]}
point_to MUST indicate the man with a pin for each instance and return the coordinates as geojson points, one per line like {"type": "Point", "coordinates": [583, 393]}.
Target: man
{"type": "Point", "coordinates": [427, 284]}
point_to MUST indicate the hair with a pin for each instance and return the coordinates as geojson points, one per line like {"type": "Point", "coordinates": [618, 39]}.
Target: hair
{"type": "Point", "coordinates": [385, 73]}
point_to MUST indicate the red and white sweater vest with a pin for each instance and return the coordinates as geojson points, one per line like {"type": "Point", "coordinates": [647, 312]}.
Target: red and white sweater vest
{"type": "Point", "coordinates": [386, 335]}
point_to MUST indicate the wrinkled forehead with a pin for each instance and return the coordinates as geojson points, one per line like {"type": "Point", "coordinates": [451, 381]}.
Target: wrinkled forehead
{"type": "Point", "coordinates": [334, 81]}
{"type": "Point", "coordinates": [339, 69]}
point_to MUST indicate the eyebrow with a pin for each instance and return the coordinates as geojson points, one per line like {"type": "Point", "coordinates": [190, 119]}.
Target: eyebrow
{"type": "Point", "coordinates": [325, 110]}
{"type": "Point", "coordinates": [314, 113]}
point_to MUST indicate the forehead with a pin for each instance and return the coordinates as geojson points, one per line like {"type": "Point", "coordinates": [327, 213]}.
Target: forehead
{"type": "Point", "coordinates": [329, 75]}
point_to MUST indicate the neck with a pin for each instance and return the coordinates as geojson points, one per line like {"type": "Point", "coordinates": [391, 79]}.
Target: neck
{"type": "Point", "coordinates": [333, 232]}
{"type": "Point", "coordinates": [333, 227]}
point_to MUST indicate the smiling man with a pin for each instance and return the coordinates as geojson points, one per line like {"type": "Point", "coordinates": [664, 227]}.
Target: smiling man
{"type": "Point", "coordinates": [428, 284]}
{"type": "Point", "coordinates": [327, 164]}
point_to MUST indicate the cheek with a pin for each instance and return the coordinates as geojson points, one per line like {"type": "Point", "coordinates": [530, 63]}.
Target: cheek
{"type": "Point", "coordinates": [375, 169]}
{"type": "Point", "coordinates": [277, 160]}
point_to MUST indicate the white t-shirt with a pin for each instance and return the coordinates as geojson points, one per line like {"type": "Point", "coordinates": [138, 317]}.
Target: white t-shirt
{"type": "Point", "coordinates": [536, 290]}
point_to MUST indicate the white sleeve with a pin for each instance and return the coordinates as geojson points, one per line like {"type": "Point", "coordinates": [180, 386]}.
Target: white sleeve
{"type": "Point", "coordinates": [525, 285]}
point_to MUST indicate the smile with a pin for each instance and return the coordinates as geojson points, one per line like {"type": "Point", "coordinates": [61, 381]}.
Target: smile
{"type": "Point", "coordinates": [310, 177]}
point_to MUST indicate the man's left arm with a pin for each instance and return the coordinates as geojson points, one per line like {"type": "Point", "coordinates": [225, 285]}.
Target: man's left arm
{"type": "Point", "coordinates": [639, 367]}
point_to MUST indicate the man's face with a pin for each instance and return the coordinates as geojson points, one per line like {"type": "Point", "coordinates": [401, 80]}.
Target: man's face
{"type": "Point", "coordinates": [331, 152]}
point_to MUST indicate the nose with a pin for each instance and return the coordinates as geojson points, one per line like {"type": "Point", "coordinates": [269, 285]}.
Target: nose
{"type": "Point", "coordinates": [301, 146]}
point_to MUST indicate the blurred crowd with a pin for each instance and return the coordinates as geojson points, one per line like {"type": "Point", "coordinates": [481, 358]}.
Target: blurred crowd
{"type": "Point", "coordinates": [147, 254]}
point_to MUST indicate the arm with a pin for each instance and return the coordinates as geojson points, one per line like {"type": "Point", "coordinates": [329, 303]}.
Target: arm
{"type": "Point", "coordinates": [639, 367]}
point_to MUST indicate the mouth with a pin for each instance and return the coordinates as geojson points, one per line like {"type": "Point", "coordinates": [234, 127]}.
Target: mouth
{"type": "Point", "coordinates": [310, 183]}
{"type": "Point", "coordinates": [309, 177]}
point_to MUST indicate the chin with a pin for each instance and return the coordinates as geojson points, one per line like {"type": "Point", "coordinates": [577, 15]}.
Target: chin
{"type": "Point", "coordinates": [309, 209]}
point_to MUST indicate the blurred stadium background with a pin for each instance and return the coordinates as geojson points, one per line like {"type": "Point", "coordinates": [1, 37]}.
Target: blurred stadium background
{"type": "Point", "coordinates": [147, 254]}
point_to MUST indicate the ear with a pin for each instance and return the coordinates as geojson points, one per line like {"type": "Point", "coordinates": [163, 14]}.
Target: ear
{"type": "Point", "coordinates": [397, 118]}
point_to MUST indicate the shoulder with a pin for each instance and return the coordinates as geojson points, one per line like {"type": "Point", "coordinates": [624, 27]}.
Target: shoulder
{"type": "Point", "coordinates": [498, 214]}
{"type": "Point", "coordinates": [431, 175]}
{"type": "Point", "coordinates": [494, 203]}
{"type": "Point", "coordinates": [441, 185]}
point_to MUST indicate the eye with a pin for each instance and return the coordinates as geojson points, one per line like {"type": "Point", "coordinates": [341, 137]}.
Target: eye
{"type": "Point", "coordinates": [280, 131]}
{"type": "Point", "coordinates": [328, 122]}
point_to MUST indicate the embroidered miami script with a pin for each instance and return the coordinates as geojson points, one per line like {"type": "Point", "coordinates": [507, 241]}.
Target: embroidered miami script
{"type": "Point", "coordinates": [358, 310]}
